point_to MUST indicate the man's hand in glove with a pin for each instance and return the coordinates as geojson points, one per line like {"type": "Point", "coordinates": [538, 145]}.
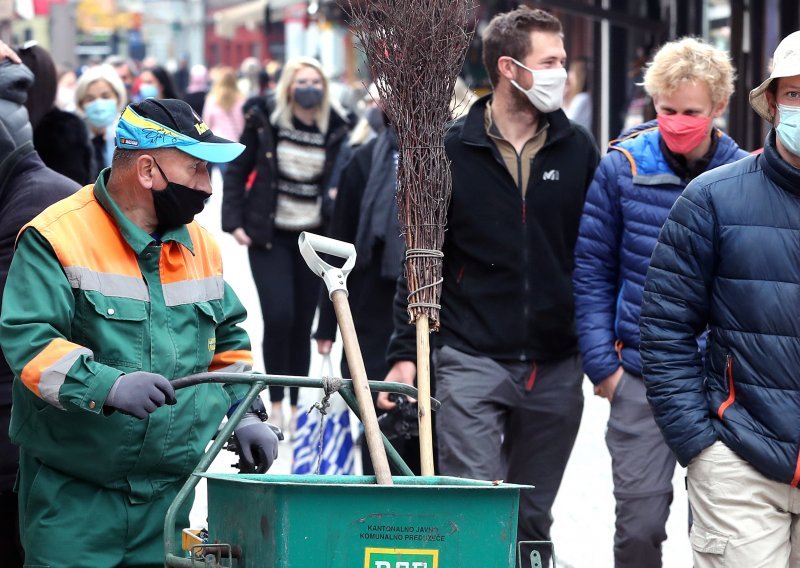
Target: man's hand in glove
{"type": "Point", "coordinates": [139, 394]}
{"type": "Point", "coordinates": [257, 443]}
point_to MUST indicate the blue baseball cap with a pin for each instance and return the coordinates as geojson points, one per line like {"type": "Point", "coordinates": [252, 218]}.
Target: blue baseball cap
{"type": "Point", "coordinates": [171, 123]}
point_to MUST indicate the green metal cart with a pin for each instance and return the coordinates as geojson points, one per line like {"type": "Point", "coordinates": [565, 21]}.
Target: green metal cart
{"type": "Point", "coordinates": [266, 521]}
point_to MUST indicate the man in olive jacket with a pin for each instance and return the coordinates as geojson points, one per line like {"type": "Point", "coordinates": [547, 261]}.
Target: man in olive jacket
{"type": "Point", "coordinates": [112, 293]}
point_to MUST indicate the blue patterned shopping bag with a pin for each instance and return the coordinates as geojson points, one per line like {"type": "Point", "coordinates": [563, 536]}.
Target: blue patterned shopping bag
{"type": "Point", "coordinates": [338, 448]}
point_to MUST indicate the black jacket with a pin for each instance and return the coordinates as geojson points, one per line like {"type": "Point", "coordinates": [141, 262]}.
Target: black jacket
{"type": "Point", "coordinates": [507, 291]}
{"type": "Point", "coordinates": [196, 100]}
{"type": "Point", "coordinates": [27, 187]}
{"type": "Point", "coordinates": [254, 209]}
{"type": "Point", "coordinates": [370, 293]}
{"type": "Point", "coordinates": [63, 143]}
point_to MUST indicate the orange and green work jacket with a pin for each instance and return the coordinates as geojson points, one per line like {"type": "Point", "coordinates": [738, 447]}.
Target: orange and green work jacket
{"type": "Point", "coordinates": [90, 296]}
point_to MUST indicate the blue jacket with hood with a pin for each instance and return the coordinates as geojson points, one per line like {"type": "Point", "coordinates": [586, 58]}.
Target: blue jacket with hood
{"type": "Point", "coordinates": [628, 202]}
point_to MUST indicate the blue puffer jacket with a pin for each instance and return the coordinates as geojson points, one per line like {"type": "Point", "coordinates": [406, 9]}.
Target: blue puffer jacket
{"type": "Point", "coordinates": [629, 199]}
{"type": "Point", "coordinates": [729, 258]}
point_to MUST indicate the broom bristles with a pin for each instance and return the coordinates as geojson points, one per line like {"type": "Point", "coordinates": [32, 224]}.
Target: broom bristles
{"type": "Point", "coordinates": [415, 50]}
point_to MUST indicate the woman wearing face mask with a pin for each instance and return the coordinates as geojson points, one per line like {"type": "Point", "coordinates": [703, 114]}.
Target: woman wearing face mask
{"type": "Point", "coordinates": [65, 95]}
{"type": "Point", "coordinates": [101, 96]}
{"type": "Point", "coordinates": [155, 83]}
{"type": "Point", "coordinates": [633, 190]}
{"type": "Point", "coordinates": [292, 140]}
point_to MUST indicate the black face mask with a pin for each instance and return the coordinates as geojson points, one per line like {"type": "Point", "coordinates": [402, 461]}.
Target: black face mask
{"type": "Point", "coordinates": [177, 204]}
{"type": "Point", "coordinates": [308, 97]}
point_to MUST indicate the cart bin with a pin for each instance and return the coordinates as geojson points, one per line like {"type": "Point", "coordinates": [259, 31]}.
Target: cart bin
{"type": "Point", "coordinates": [348, 521]}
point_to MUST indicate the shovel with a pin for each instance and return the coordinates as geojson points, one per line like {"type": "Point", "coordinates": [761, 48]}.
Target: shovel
{"type": "Point", "coordinates": [336, 282]}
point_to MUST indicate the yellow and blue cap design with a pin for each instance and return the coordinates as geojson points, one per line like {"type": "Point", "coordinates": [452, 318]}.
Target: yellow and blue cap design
{"type": "Point", "coordinates": [171, 123]}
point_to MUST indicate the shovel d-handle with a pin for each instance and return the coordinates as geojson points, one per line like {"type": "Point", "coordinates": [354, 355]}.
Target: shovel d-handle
{"type": "Point", "coordinates": [258, 383]}
{"type": "Point", "coordinates": [335, 278]}
{"type": "Point", "coordinates": [336, 281]}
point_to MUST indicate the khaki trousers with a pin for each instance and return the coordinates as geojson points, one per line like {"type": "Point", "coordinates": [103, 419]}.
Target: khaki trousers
{"type": "Point", "coordinates": [741, 518]}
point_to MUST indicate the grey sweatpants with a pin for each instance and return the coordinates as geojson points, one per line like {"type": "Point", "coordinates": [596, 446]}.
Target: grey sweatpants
{"type": "Point", "coordinates": [642, 466]}
{"type": "Point", "coordinates": [501, 421]}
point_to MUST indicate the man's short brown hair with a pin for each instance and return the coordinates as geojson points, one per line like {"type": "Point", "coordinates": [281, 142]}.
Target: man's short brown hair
{"type": "Point", "coordinates": [510, 34]}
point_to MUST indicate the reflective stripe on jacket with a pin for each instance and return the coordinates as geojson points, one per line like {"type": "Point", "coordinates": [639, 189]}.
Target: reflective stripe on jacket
{"type": "Point", "coordinates": [90, 297]}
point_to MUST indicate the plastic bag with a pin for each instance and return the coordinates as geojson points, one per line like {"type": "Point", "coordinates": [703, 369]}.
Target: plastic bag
{"type": "Point", "coordinates": [338, 448]}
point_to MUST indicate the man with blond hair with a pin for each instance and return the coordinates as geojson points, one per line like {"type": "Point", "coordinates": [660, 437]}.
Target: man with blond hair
{"type": "Point", "coordinates": [727, 261]}
{"type": "Point", "coordinates": [633, 190]}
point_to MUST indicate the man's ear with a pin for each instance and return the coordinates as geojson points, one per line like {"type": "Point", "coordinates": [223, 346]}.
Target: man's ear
{"type": "Point", "coordinates": [146, 170]}
{"type": "Point", "coordinates": [719, 110]}
{"type": "Point", "coordinates": [772, 105]}
{"type": "Point", "coordinates": [506, 68]}
{"type": "Point", "coordinates": [654, 99]}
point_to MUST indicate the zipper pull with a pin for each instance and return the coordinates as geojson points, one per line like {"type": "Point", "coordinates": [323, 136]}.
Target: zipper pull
{"type": "Point", "coordinates": [531, 379]}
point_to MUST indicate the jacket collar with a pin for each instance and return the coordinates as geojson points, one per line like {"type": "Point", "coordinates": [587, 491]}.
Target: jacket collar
{"type": "Point", "coordinates": [133, 234]}
{"type": "Point", "coordinates": [474, 133]}
{"type": "Point", "coordinates": [641, 146]}
{"type": "Point", "coordinates": [783, 174]}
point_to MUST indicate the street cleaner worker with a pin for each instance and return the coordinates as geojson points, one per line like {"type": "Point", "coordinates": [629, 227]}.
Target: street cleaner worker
{"type": "Point", "coordinates": [112, 293]}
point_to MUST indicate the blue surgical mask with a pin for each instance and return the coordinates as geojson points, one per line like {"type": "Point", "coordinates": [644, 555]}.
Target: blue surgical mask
{"type": "Point", "coordinates": [101, 112]}
{"type": "Point", "coordinates": [148, 91]}
{"type": "Point", "coordinates": [789, 128]}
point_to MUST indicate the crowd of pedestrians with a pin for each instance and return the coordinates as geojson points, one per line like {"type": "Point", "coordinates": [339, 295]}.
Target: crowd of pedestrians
{"type": "Point", "coordinates": [664, 271]}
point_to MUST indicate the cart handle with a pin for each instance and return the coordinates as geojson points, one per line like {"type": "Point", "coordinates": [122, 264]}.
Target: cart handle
{"type": "Point", "coordinates": [258, 383]}
{"type": "Point", "coordinates": [291, 381]}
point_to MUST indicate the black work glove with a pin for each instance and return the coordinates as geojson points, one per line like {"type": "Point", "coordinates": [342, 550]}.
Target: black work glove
{"type": "Point", "coordinates": [257, 444]}
{"type": "Point", "coordinates": [139, 394]}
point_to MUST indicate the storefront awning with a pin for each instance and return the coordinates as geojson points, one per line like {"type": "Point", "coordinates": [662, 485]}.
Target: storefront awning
{"type": "Point", "coordinates": [248, 14]}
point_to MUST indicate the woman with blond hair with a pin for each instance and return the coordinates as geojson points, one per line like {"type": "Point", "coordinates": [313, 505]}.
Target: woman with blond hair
{"type": "Point", "coordinates": [272, 192]}
{"type": "Point", "coordinates": [222, 111]}
{"type": "Point", "coordinates": [632, 193]}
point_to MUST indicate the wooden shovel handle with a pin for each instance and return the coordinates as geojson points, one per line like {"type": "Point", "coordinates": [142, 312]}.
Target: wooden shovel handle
{"type": "Point", "coordinates": [355, 362]}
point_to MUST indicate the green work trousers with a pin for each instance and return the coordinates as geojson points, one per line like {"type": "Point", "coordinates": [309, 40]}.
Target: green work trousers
{"type": "Point", "coordinates": [66, 522]}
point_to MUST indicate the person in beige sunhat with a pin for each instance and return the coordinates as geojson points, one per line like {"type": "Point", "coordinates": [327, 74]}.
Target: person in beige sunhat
{"type": "Point", "coordinates": [728, 260]}
{"type": "Point", "coordinates": [777, 100]}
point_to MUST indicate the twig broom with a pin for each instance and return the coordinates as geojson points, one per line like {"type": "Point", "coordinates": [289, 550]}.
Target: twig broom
{"type": "Point", "coordinates": [415, 50]}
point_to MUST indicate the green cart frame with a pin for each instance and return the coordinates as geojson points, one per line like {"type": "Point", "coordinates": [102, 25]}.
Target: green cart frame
{"type": "Point", "coordinates": [259, 382]}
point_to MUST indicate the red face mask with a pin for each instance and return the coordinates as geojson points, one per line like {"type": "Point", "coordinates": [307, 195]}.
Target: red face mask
{"type": "Point", "coordinates": [682, 132]}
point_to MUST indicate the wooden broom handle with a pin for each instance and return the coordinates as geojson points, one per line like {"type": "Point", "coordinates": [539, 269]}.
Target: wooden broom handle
{"type": "Point", "coordinates": [424, 398]}
{"type": "Point", "coordinates": [355, 362]}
